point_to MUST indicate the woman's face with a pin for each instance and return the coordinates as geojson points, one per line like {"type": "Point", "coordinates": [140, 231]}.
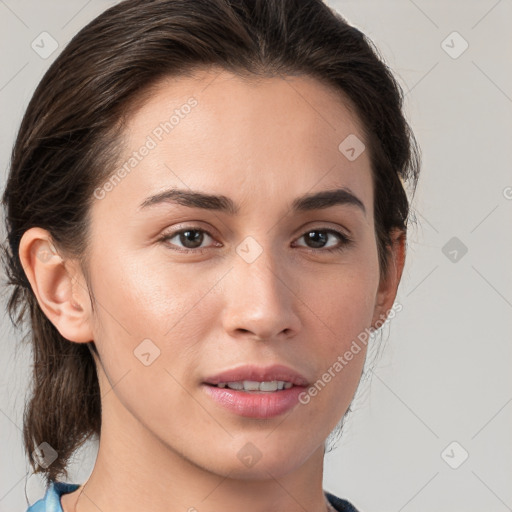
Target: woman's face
{"type": "Point", "coordinates": [257, 277]}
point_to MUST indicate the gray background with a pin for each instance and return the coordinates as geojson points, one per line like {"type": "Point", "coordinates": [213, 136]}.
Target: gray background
{"type": "Point", "coordinates": [444, 375]}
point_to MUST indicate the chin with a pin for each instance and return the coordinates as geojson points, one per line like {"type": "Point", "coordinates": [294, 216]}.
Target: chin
{"type": "Point", "coordinates": [258, 457]}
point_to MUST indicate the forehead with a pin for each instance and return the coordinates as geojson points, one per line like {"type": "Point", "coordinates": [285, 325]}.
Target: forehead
{"type": "Point", "coordinates": [226, 102]}
{"type": "Point", "coordinates": [263, 138]}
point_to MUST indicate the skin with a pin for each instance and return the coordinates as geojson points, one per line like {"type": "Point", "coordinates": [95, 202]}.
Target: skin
{"type": "Point", "coordinates": [165, 445]}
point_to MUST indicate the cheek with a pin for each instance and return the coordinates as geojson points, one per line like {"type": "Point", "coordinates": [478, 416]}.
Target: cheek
{"type": "Point", "coordinates": [150, 320]}
{"type": "Point", "coordinates": [338, 310]}
{"type": "Point", "coordinates": [340, 353]}
{"type": "Point", "coordinates": [143, 298]}
{"type": "Point", "coordinates": [341, 299]}
{"type": "Point", "coordinates": [146, 332]}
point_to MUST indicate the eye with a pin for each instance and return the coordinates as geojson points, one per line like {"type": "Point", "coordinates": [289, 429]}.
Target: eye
{"type": "Point", "coordinates": [318, 238]}
{"type": "Point", "coordinates": [190, 238]}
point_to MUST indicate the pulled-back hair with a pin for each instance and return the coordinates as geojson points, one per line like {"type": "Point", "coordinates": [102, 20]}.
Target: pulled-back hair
{"type": "Point", "coordinates": [69, 143]}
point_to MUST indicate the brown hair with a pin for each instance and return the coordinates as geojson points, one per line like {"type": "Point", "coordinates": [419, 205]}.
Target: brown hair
{"type": "Point", "coordinates": [70, 139]}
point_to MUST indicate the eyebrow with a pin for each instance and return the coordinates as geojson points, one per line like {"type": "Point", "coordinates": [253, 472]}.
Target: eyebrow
{"type": "Point", "coordinates": [307, 202]}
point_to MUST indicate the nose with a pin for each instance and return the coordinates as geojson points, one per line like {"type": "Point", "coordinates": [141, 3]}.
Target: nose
{"type": "Point", "coordinates": [260, 299]}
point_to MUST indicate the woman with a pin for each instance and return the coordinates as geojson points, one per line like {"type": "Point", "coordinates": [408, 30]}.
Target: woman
{"type": "Point", "coordinates": [205, 210]}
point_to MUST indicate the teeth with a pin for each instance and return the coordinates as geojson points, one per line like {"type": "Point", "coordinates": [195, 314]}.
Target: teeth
{"type": "Point", "coordinates": [253, 385]}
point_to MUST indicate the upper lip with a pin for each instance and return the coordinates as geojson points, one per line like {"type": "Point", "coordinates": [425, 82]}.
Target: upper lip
{"type": "Point", "coordinates": [258, 373]}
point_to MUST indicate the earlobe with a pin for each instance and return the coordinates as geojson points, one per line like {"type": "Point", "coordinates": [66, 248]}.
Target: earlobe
{"type": "Point", "coordinates": [389, 285]}
{"type": "Point", "coordinates": [56, 283]}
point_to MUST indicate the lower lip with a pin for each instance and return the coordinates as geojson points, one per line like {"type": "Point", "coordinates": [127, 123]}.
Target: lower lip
{"type": "Point", "coordinates": [253, 404]}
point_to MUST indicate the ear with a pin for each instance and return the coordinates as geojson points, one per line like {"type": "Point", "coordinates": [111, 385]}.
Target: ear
{"type": "Point", "coordinates": [58, 284]}
{"type": "Point", "coordinates": [388, 285]}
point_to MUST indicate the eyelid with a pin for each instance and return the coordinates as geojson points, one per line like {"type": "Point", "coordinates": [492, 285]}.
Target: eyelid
{"type": "Point", "coordinates": [324, 226]}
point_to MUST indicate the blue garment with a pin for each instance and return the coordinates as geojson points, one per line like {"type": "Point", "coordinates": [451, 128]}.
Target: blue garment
{"type": "Point", "coordinates": [51, 500]}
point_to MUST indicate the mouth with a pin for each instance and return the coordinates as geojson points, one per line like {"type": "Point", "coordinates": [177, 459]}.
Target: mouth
{"type": "Point", "coordinates": [254, 392]}
{"type": "Point", "coordinates": [254, 386]}
{"type": "Point", "coordinates": [254, 378]}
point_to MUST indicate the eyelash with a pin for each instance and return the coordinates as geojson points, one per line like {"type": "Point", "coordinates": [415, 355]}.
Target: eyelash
{"type": "Point", "coordinates": [345, 240]}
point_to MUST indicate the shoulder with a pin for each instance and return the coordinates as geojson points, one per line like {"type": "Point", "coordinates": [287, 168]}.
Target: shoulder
{"type": "Point", "coordinates": [51, 500]}
{"type": "Point", "coordinates": [339, 504]}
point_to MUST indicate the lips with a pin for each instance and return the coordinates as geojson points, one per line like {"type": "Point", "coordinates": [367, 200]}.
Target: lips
{"type": "Point", "coordinates": [260, 404]}
{"type": "Point", "coordinates": [262, 374]}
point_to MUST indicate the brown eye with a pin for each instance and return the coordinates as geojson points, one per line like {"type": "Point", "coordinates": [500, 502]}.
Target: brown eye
{"type": "Point", "coordinates": [317, 239]}
{"type": "Point", "coordinates": [190, 239]}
